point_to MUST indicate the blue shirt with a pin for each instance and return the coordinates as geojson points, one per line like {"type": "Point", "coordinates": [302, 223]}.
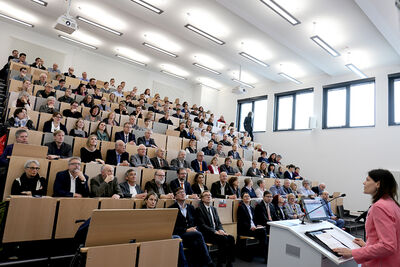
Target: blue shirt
{"type": "Point", "coordinates": [277, 190]}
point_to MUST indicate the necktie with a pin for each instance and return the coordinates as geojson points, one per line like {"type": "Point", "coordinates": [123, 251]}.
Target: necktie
{"type": "Point", "coordinates": [269, 213]}
{"type": "Point", "coordinates": [201, 166]}
{"type": "Point", "coordinates": [161, 163]}
{"type": "Point", "coordinates": [118, 158]}
{"type": "Point", "coordinates": [212, 217]}
{"type": "Point", "coordinates": [181, 184]}
{"type": "Point", "coordinates": [126, 138]}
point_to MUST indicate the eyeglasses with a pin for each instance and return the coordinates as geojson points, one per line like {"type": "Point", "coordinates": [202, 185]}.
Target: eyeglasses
{"type": "Point", "coordinates": [58, 117]}
{"type": "Point", "coordinates": [34, 168]}
{"type": "Point", "coordinates": [75, 163]}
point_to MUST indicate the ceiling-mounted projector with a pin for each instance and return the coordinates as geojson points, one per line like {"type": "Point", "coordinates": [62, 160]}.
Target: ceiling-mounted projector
{"type": "Point", "coordinates": [66, 23]}
{"type": "Point", "coordinates": [239, 90]}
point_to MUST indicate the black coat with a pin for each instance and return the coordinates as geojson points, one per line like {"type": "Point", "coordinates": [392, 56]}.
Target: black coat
{"type": "Point", "coordinates": [216, 190]}
{"type": "Point", "coordinates": [156, 164]}
{"type": "Point", "coordinates": [142, 141]}
{"type": "Point", "coordinates": [261, 216]}
{"type": "Point", "coordinates": [203, 220]}
{"type": "Point", "coordinates": [183, 223]}
{"type": "Point", "coordinates": [62, 185]}
{"type": "Point", "coordinates": [244, 219]}
{"type": "Point", "coordinates": [111, 157]}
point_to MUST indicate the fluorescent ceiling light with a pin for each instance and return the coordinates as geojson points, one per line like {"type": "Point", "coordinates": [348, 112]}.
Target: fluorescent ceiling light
{"type": "Point", "coordinates": [206, 68]}
{"type": "Point", "coordinates": [290, 78]}
{"type": "Point", "coordinates": [243, 83]}
{"type": "Point", "coordinates": [132, 60]}
{"type": "Point", "coordinates": [243, 54]}
{"type": "Point", "coordinates": [173, 74]}
{"type": "Point", "coordinates": [204, 34]}
{"type": "Point", "coordinates": [202, 84]}
{"type": "Point", "coordinates": [324, 45]}
{"type": "Point", "coordinates": [281, 11]}
{"type": "Point", "coordinates": [160, 50]}
{"type": "Point", "coordinates": [40, 2]}
{"type": "Point", "coordinates": [356, 70]}
{"type": "Point", "coordinates": [148, 6]}
{"type": "Point", "coordinates": [99, 26]}
{"type": "Point", "coordinates": [16, 20]}
{"type": "Point", "coordinates": [77, 42]}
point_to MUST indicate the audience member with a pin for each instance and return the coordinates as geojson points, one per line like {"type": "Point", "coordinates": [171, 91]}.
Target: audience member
{"type": "Point", "coordinates": [289, 174]}
{"type": "Point", "coordinates": [221, 189]}
{"type": "Point", "coordinates": [84, 77]}
{"type": "Point", "coordinates": [264, 211]}
{"type": "Point", "coordinates": [146, 140]}
{"type": "Point", "coordinates": [30, 183]}
{"type": "Point", "coordinates": [181, 182]}
{"type": "Point", "coordinates": [253, 171]}
{"type": "Point", "coordinates": [191, 148]}
{"type": "Point", "coordinates": [90, 153]}
{"type": "Point", "coordinates": [263, 169]}
{"type": "Point", "coordinates": [130, 188]}
{"type": "Point", "coordinates": [178, 114]}
{"type": "Point", "coordinates": [159, 161]}
{"type": "Point", "coordinates": [73, 112]}
{"type": "Point", "coordinates": [226, 167]}
{"type": "Point", "coordinates": [132, 122]}
{"type": "Point", "coordinates": [319, 189]}
{"type": "Point", "coordinates": [23, 101]}
{"type": "Point", "coordinates": [58, 148]}
{"type": "Point", "coordinates": [225, 141]}
{"type": "Point", "coordinates": [182, 131]}
{"type": "Point", "coordinates": [198, 185]}
{"type": "Point", "coordinates": [198, 164]}
{"type": "Point", "coordinates": [293, 186]}
{"type": "Point", "coordinates": [180, 162]}
{"type": "Point", "coordinates": [71, 182]}
{"type": "Point", "coordinates": [26, 86]}
{"type": "Point", "coordinates": [261, 188]}
{"type": "Point", "coordinates": [121, 110]}
{"type": "Point", "coordinates": [104, 106]}
{"type": "Point", "coordinates": [101, 132]}
{"type": "Point", "coordinates": [279, 205]}
{"type": "Point", "coordinates": [271, 171]}
{"type": "Point", "coordinates": [79, 129]}
{"type": "Point", "coordinates": [209, 224]}
{"type": "Point", "coordinates": [126, 135]}
{"type": "Point", "coordinates": [327, 206]}
{"type": "Point", "coordinates": [154, 107]}
{"type": "Point", "coordinates": [105, 184]}
{"type": "Point", "coordinates": [263, 157]}
{"type": "Point", "coordinates": [42, 80]}
{"type": "Point", "coordinates": [54, 124]}
{"type": "Point", "coordinates": [87, 101]}
{"type": "Point", "coordinates": [234, 153]}
{"type": "Point", "coordinates": [239, 167]}
{"type": "Point", "coordinates": [20, 119]}
{"type": "Point", "coordinates": [280, 174]}
{"type": "Point", "coordinates": [70, 73]}
{"type": "Point", "coordinates": [277, 189]}
{"type": "Point", "coordinates": [246, 224]}
{"type": "Point", "coordinates": [213, 167]}
{"type": "Point", "coordinates": [158, 186]}
{"type": "Point", "coordinates": [49, 106]}
{"type": "Point", "coordinates": [141, 159]}
{"type": "Point", "coordinates": [234, 184]}
{"type": "Point", "coordinates": [248, 188]}
{"type": "Point", "coordinates": [81, 90]}
{"type": "Point", "coordinates": [22, 75]}
{"type": "Point", "coordinates": [118, 156]}
{"type": "Point", "coordinates": [61, 86]}
{"type": "Point", "coordinates": [293, 210]}
{"type": "Point", "coordinates": [166, 120]}
{"type": "Point", "coordinates": [190, 134]}
{"type": "Point", "coordinates": [272, 158]}
{"type": "Point", "coordinates": [21, 137]}
{"type": "Point", "coordinates": [38, 64]}
{"type": "Point", "coordinates": [286, 187]}
{"type": "Point", "coordinates": [66, 98]}
{"type": "Point", "coordinates": [208, 150]}
{"type": "Point", "coordinates": [54, 69]}
{"type": "Point", "coordinates": [305, 190]}
{"type": "Point", "coordinates": [21, 59]}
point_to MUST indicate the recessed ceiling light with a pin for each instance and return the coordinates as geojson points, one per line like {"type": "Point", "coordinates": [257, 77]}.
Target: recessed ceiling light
{"type": "Point", "coordinates": [356, 70]}
{"type": "Point", "coordinates": [160, 50]}
{"type": "Point", "coordinates": [204, 34]}
{"type": "Point", "coordinates": [243, 83]}
{"type": "Point", "coordinates": [148, 6]}
{"type": "Point", "coordinates": [173, 74]}
{"type": "Point", "coordinates": [40, 2]}
{"type": "Point", "coordinates": [281, 11]}
{"type": "Point", "coordinates": [16, 20]}
{"type": "Point", "coordinates": [324, 45]}
{"type": "Point", "coordinates": [132, 60]}
{"type": "Point", "coordinates": [243, 54]}
{"type": "Point", "coordinates": [206, 68]}
{"type": "Point", "coordinates": [99, 25]}
{"type": "Point", "coordinates": [77, 42]}
{"type": "Point", "coordinates": [290, 78]}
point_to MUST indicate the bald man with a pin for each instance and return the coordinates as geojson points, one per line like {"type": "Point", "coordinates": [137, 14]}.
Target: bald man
{"type": "Point", "coordinates": [105, 184]}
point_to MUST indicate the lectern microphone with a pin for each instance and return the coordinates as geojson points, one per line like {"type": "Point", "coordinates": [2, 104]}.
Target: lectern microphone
{"type": "Point", "coordinates": [308, 213]}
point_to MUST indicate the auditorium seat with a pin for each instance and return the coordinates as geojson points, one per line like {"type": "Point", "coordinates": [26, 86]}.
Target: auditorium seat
{"type": "Point", "coordinates": [34, 137]}
{"type": "Point", "coordinates": [174, 143]}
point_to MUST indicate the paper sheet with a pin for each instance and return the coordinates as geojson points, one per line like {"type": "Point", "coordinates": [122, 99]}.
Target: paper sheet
{"type": "Point", "coordinates": [330, 241]}
{"type": "Point", "coordinates": [346, 240]}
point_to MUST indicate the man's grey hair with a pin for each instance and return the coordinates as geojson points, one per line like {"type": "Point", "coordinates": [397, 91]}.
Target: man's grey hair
{"type": "Point", "coordinates": [19, 132]}
{"type": "Point", "coordinates": [51, 98]}
{"type": "Point", "coordinates": [29, 162]}
{"type": "Point", "coordinates": [306, 182]}
{"type": "Point", "coordinates": [105, 165]}
{"type": "Point", "coordinates": [74, 158]}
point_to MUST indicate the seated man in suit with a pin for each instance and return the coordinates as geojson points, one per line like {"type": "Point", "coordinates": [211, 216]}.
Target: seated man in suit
{"type": "Point", "coordinates": [126, 135]}
{"type": "Point", "coordinates": [209, 224]}
{"type": "Point", "coordinates": [265, 211]}
{"type": "Point", "coordinates": [221, 188]}
{"type": "Point", "coordinates": [118, 156]}
{"type": "Point", "coordinates": [141, 159]}
{"type": "Point", "coordinates": [71, 182]}
{"type": "Point", "coordinates": [159, 161]}
{"type": "Point", "coordinates": [234, 153]}
{"type": "Point", "coordinates": [129, 188]}
{"type": "Point", "coordinates": [198, 164]}
{"type": "Point", "coordinates": [146, 139]}
{"type": "Point", "coordinates": [246, 225]}
{"type": "Point", "coordinates": [226, 167]}
{"type": "Point", "coordinates": [105, 184]}
{"type": "Point", "coordinates": [289, 174]}
{"type": "Point", "coordinates": [159, 186]}
{"type": "Point", "coordinates": [21, 137]}
{"type": "Point", "coordinates": [277, 189]}
{"type": "Point", "coordinates": [225, 140]}
{"type": "Point", "coordinates": [180, 162]}
{"type": "Point", "coordinates": [181, 182]}
{"type": "Point", "coordinates": [185, 228]}
{"type": "Point", "coordinates": [209, 150]}
{"type": "Point", "coordinates": [46, 92]}
{"type": "Point", "coordinates": [57, 148]}
{"type": "Point", "coordinates": [327, 206]}
{"type": "Point", "coordinates": [166, 119]}
{"type": "Point", "coordinates": [319, 189]}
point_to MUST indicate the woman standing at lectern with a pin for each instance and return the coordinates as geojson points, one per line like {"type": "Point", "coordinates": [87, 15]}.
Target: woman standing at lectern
{"type": "Point", "coordinates": [382, 225]}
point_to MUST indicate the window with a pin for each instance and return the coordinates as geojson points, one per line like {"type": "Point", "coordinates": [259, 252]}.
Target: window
{"type": "Point", "coordinates": [293, 110]}
{"type": "Point", "coordinates": [350, 104]}
{"type": "Point", "coordinates": [394, 99]}
{"type": "Point", "coordinates": [258, 106]}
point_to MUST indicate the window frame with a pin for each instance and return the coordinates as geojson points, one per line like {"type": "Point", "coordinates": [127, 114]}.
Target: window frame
{"type": "Point", "coordinates": [346, 86]}
{"type": "Point", "coordinates": [391, 79]}
{"type": "Point", "coordinates": [293, 93]}
{"type": "Point", "coordinates": [251, 100]}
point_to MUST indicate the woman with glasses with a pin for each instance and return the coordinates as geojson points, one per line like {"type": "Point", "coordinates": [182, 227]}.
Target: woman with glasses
{"type": "Point", "coordinates": [54, 124]}
{"type": "Point", "coordinates": [293, 210]}
{"type": "Point", "coordinates": [30, 183]}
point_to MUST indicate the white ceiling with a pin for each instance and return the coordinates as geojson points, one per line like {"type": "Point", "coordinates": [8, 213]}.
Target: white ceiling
{"type": "Point", "coordinates": [245, 25]}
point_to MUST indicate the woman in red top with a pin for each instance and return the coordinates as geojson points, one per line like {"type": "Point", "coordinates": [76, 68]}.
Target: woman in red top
{"type": "Point", "coordinates": [382, 225]}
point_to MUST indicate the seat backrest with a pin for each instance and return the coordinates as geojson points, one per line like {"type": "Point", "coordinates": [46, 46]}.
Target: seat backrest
{"type": "Point", "coordinates": [151, 152]}
{"type": "Point", "coordinates": [105, 145]}
{"type": "Point", "coordinates": [160, 140]}
{"type": "Point", "coordinates": [116, 129]}
{"type": "Point", "coordinates": [160, 128]}
{"type": "Point", "coordinates": [211, 178]}
{"type": "Point", "coordinates": [174, 143]}
{"type": "Point", "coordinates": [172, 132]}
{"type": "Point", "coordinates": [121, 170]}
{"type": "Point", "coordinates": [34, 137]}
{"type": "Point", "coordinates": [147, 175]}
{"type": "Point", "coordinates": [33, 151]}
{"type": "Point", "coordinates": [171, 154]}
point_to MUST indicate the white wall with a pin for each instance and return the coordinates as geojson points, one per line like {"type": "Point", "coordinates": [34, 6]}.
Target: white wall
{"type": "Point", "coordinates": [339, 157]}
{"type": "Point", "coordinates": [98, 66]}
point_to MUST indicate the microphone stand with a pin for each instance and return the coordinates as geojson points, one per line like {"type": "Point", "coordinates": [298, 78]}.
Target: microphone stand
{"type": "Point", "coordinates": [308, 213]}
